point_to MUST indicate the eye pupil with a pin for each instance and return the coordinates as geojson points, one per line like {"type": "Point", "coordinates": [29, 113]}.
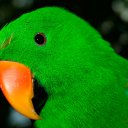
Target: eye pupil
{"type": "Point", "coordinates": [40, 38]}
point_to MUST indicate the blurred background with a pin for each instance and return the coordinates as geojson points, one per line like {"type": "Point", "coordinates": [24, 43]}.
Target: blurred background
{"type": "Point", "coordinates": [109, 17]}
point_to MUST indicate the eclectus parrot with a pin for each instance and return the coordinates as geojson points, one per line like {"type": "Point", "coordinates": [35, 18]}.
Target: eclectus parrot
{"type": "Point", "coordinates": [56, 69]}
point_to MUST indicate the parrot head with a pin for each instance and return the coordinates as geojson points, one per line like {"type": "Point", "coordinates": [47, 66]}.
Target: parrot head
{"type": "Point", "coordinates": [48, 48]}
{"type": "Point", "coordinates": [41, 46]}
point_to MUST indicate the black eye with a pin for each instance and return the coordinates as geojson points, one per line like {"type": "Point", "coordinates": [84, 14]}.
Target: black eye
{"type": "Point", "coordinates": [40, 39]}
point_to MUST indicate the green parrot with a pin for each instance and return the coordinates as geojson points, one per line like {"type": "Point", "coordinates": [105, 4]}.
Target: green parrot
{"type": "Point", "coordinates": [85, 81]}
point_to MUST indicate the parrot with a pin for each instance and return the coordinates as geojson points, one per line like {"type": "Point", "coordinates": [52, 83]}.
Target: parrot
{"type": "Point", "coordinates": [57, 70]}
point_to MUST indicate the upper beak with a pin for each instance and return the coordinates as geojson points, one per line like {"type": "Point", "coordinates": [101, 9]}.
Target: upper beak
{"type": "Point", "coordinates": [17, 86]}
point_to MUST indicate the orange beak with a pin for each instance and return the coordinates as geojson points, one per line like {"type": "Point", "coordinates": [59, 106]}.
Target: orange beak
{"type": "Point", "coordinates": [17, 86]}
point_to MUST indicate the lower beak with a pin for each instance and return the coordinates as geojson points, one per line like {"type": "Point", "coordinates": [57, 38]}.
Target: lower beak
{"type": "Point", "coordinates": [17, 86]}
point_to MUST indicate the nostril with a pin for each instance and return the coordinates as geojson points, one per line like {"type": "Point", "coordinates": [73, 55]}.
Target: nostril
{"type": "Point", "coordinates": [6, 42]}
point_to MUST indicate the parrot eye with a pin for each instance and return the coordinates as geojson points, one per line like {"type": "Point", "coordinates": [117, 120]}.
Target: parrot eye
{"type": "Point", "coordinates": [40, 39]}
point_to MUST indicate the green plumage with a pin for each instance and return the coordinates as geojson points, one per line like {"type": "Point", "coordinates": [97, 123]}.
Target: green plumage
{"type": "Point", "coordinates": [85, 79]}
